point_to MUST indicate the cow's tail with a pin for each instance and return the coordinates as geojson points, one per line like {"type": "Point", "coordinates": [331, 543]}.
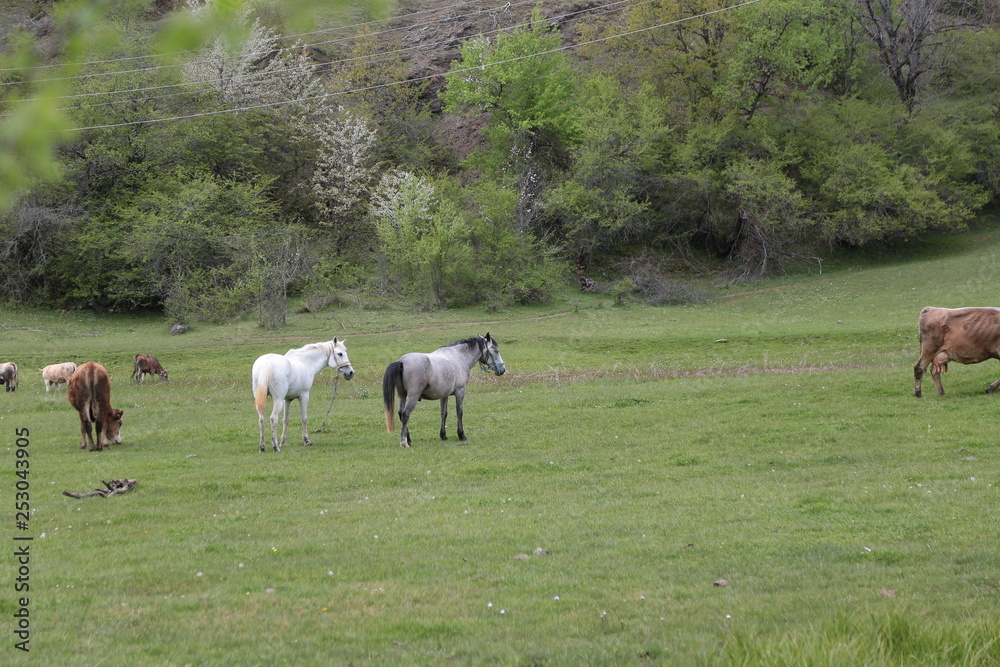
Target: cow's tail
{"type": "Point", "coordinates": [393, 375]}
{"type": "Point", "coordinates": [263, 385]}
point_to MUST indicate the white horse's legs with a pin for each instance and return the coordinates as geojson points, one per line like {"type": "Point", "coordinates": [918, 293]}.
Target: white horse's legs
{"type": "Point", "coordinates": [286, 407]}
{"type": "Point", "coordinates": [303, 404]}
{"type": "Point", "coordinates": [263, 424]}
{"type": "Point", "coordinates": [275, 416]}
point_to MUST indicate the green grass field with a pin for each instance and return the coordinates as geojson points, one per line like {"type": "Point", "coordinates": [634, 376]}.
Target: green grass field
{"type": "Point", "coordinates": [769, 439]}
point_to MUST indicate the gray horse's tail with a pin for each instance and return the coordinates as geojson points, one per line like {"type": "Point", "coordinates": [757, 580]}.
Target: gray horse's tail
{"type": "Point", "coordinates": [393, 375]}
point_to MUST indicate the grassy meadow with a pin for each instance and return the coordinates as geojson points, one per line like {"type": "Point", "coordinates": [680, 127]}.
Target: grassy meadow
{"type": "Point", "coordinates": [744, 481]}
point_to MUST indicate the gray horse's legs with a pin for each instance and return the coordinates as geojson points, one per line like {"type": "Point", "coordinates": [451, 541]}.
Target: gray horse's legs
{"type": "Point", "coordinates": [404, 419]}
{"type": "Point", "coordinates": [444, 417]}
{"type": "Point", "coordinates": [459, 398]}
{"type": "Point", "coordinates": [303, 403]}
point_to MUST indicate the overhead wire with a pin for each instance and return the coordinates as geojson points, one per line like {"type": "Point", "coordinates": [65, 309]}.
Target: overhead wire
{"type": "Point", "coordinates": [337, 65]}
{"type": "Point", "coordinates": [427, 77]}
{"type": "Point", "coordinates": [293, 36]}
{"type": "Point", "coordinates": [276, 37]}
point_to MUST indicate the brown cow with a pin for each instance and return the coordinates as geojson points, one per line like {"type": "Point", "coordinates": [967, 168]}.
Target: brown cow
{"type": "Point", "coordinates": [90, 394]}
{"type": "Point", "coordinates": [962, 335]}
{"type": "Point", "coordinates": [55, 374]}
{"type": "Point", "coordinates": [8, 375]}
{"type": "Point", "coordinates": [146, 364]}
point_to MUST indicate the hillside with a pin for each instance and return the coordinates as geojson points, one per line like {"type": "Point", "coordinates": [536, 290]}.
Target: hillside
{"type": "Point", "coordinates": [684, 139]}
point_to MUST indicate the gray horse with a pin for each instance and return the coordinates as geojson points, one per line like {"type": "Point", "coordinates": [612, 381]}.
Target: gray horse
{"type": "Point", "coordinates": [436, 376]}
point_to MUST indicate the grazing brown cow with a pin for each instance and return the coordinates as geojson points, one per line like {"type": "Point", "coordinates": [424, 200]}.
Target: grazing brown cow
{"type": "Point", "coordinates": [56, 374]}
{"type": "Point", "coordinates": [962, 335]}
{"type": "Point", "coordinates": [8, 375]}
{"type": "Point", "coordinates": [90, 394]}
{"type": "Point", "coordinates": [147, 364]}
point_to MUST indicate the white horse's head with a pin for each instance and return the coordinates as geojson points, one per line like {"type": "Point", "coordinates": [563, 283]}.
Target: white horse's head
{"type": "Point", "coordinates": [338, 359]}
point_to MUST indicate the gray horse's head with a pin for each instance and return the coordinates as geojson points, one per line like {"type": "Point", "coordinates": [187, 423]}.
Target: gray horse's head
{"type": "Point", "coordinates": [339, 360]}
{"type": "Point", "coordinates": [490, 355]}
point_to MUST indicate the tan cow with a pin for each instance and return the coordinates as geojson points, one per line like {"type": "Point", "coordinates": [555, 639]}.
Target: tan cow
{"type": "Point", "coordinates": [90, 393]}
{"type": "Point", "coordinates": [55, 374]}
{"type": "Point", "coordinates": [962, 335]}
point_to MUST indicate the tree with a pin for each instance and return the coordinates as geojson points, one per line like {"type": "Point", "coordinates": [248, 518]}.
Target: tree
{"type": "Point", "coordinates": [612, 193]}
{"type": "Point", "coordinates": [525, 87]}
{"type": "Point", "coordinates": [909, 38]}
{"type": "Point", "coordinates": [771, 215]}
{"type": "Point", "coordinates": [35, 125]}
{"type": "Point", "coordinates": [423, 238]}
{"type": "Point", "coordinates": [786, 48]}
{"type": "Point", "coordinates": [345, 173]}
{"type": "Point", "coordinates": [33, 233]}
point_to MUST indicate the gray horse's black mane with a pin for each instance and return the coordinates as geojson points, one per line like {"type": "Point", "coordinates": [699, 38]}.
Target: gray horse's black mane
{"type": "Point", "coordinates": [474, 341]}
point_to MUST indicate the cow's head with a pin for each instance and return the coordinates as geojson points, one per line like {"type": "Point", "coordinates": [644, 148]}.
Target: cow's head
{"type": "Point", "coordinates": [113, 427]}
{"type": "Point", "coordinates": [163, 373]}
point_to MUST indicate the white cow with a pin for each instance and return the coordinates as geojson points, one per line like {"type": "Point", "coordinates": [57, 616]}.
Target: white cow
{"type": "Point", "coordinates": [56, 374]}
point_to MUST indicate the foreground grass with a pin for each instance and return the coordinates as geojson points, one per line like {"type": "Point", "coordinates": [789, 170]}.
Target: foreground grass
{"type": "Point", "coordinates": [646, 460]}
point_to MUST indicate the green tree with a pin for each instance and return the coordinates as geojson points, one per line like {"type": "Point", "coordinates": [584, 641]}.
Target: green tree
{"type": "Point", "coordinates": [527, 89]}
{"type": "Point", "coordinates": [613, 192]}
{"type": "Point", "coordinates": [785, 48]}
{"type": "Point", "coordinates": [424, 240]}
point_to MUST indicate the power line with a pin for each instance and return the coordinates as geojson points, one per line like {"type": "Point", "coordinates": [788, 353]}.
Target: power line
{"type": "Point", "coordinates": [339, 64]}
{"type": "Point", "coordinates": [418, 79]}
{"type": "Point", "coordinates": [304, 34]}
{"type": "Point", "coordinates": [277, 37]}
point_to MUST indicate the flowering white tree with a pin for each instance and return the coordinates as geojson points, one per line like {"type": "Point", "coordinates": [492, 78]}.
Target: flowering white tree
{"type": "Point", "coordinates": [401, 199]}
{"type": "Point", "coordinates": [259, 72]}
{"type": "Point", "coordinates": [346, 168]}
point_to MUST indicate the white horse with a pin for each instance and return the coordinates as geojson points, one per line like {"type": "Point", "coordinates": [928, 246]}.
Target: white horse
{"type": "Point", "coordinates": [290, 376]}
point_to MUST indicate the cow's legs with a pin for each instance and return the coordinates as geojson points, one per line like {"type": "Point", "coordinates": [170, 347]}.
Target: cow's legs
{"type": "Point", "coordinates": [918, 376]}
{"type": "Point", "coordinates": [303, 403]}
{"type": "Point", "coordinates": [993, 387]}
{"type": "Point", "coordinates": [102, 441]}
{"type": "Point", "coordinates": [444, 417]}
{"type": "Point", "coordinates": [85, 433]}
{"type": "Point", "coordinates": [939, 364]}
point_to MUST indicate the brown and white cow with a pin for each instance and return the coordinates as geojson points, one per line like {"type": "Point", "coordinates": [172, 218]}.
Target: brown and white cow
{"type": "Point", "coordinates": [8, 375]}
{"type": "Point", "coordinates": [962, 335]}
{"type": "Point", "coordinates": [55, 374]}
{"type": "Point", "coordinates": [90, 394]}
{"type": "Point", "coordinates": [146, 364]}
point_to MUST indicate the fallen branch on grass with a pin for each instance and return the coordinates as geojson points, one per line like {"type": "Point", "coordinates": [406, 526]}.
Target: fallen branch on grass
{"type": "Point", "coordinates": [114, 487]}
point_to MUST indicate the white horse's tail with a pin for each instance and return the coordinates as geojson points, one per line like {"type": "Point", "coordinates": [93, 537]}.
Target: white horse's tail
{"type": "Point", "coordinates": [263, 386]}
